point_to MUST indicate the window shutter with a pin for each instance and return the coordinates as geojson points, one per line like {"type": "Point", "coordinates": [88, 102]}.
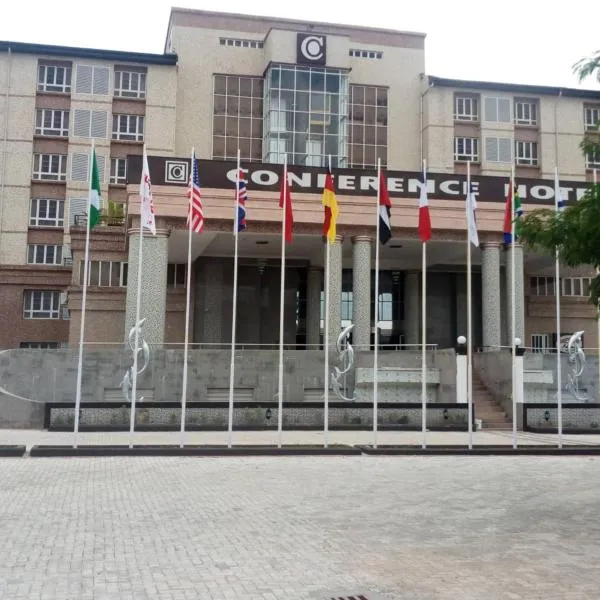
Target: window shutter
{"type": "Point", "coordinates": [99, 123]}
{"type": "Point", "coordinates": [101, 77]}
{"type": "Point", "coordinates": [504, 150]}
{"type": "Point", "coordinates": [77, 208]}
{"type": "Point", "coordinates": [101, 163]}
{"type": "Point", "coordinates": [491, 149]}
{"type": "Point", "coordinates": [83, 84]}
{"type": "Point", "coordinates": [81, 123]}
{"type": "Point", "coordinates": [490, 108]}
{"type": "Point", "coordinates": [504, 110]}
{"type": "Point", "coordinates": [79, 166]}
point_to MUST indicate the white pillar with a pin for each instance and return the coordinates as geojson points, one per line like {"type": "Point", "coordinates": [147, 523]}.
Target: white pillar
{"type": "Point", "coordinates": [490, 291]}
{"type": "Point", "coordinates": [361, 292]}
{"type": "Point", "coordinates": [519, 292]}
{"type": "Point", "coordinates": [335, 289]}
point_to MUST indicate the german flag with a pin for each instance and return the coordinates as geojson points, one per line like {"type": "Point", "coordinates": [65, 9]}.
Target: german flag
{"type": "Point", "coordinates": [331, 210]}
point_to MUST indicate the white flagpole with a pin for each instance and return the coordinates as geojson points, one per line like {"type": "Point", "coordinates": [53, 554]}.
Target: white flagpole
{"type": "Point", "coordinates": [138, 304]}
{"type": "Point", "coordinates": [469, 311]}
{"type": "Point", "coordinates": [187, 312]}
{"type": "Point", "coordinates": [281, 305]}
{"type": "Point", "coordinates": [376, 309]}
{"type": "Point", "coordinates": [86, 261]}
{"type": "Point", "coordinates": [326, 340]}
{"type": "Point", "coordinates": [234, 303]}
{"type": "Point", "coordinates": [558, 327]}
{"type": "Point", "coordinates": [424, 330]}
{"type": "Point", "coordinates": [513, 311]}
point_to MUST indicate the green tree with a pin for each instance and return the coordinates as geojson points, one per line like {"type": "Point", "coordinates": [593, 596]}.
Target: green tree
{"type": "Point", "coordinates": [576, 230]}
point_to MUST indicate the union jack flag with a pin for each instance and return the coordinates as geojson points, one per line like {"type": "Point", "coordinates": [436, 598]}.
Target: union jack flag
{"type": "Point", "coordinates": [195, 212]}
{"type": "Point", "coordinates": [242, 196]}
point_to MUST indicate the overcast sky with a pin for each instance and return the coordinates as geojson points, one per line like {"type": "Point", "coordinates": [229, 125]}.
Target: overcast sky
{"type": "Point", "coordinates": [505, 40]}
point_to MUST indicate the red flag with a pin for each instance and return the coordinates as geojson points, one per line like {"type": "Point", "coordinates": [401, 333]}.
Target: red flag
{"type": "Point", "coordinates": [285, 197]}
{"type": "Point", "coordinates": [424, 218]}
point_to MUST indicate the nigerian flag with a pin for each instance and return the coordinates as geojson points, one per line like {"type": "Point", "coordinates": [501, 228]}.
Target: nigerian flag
{"type": "Point", "coordinates": [94, 193]}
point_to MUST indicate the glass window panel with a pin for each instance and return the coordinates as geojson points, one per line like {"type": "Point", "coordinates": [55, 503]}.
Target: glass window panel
{"type": "Point", "coordinates": [231, 127]}
{"type": "Point", "coordinates": [370, 96]}
{"type": "Point", "coordinates": [245, 107]}
{"type": "Point", "coordinates": [218, 147]}
{"type": "Point", "coordinates": [233, 86]}
{"type": "Point", "coordinates": [219, 125]}
{"type": "Point", "coordinates": [220, 103]}
{"type": "Point", "coordinates": [332, 82]}
{"type": "Point", "coordinates": [245, 127]}
{"type": "Point", "coordinates": [115, 274]}
{"type": "Point", "coordinates": [245, 86]}
{"type": "Point", "coordinates": [105, 273]}
{"type": "Point", "coordinates": [233, 105]}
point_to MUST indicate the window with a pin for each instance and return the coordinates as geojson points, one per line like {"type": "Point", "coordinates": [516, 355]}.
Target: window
{"type": "Point", "coordinates": [591, 117]}
{"type": "Point", "coordinates": [47, 212]}
{"type": "Point", "coordinates": [542, 286]}
{"type": "Point", "coordinates": [540, 342]}
{"type": "Point", "coordinates": [357, 53]}
{"type": "Point", "coordinates": [41, 304]}
{"type": "Point", "coordinates": [305, 104]}
{"type": "Point", "coordinates": [43, 254]}
{"type": "Point", "coordinates": [526, 153]}
{"type": "Point", "coordinates": [54, 78]}
{"type": "Point", "coordinates": [105, 273]}
{"type": "Point", "coordinates": [80, 166]}
{"type": "Point", "coordinates": [466, 149]}
{"type": "Point", "coordinates": [50, 167]}
{"type": "Point", "coordinates": [466, 108]}
{"type": "Point", "coordinates": [128, 128]}
{"type": "Point", "coordinates": [39, 345]}
{"type": "Point", "coordinates": [497, 109]}
{"type": "Point", "coordinates": [90, 123]}
{"type": "Point", "coordinates": [592, 160]}
{"type": "Point", "coordinates": [118, 170]}
{"type": "Point", "coordinates": [130, 83]}
{"type": "Point", "coordinates": [176, 275]}
{"type": "Point", "coordinates": [237, 43]}
{"type": "Point", "coordinates": [92, 80]}
{"type": "Point", "coordinates": [525, 112]}
{"type": "Point", "coordinates": [498, 149]}
{"type": "Point", "coordinates": [368, 120]}
{"type": "Point", "coordinates": [576, 286]}
{"type": "Point", "coordinates": [238, 117]}
{"type": "Point", "coordinates": [52, 122]}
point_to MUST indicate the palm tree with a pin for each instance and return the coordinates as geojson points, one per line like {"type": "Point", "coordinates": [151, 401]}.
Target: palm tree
{"type": "Point", "coordinates": [587, 67]}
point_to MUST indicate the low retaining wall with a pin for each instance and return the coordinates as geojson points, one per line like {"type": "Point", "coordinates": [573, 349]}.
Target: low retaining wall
{"type": "Point", "coordinates": [576, 418]}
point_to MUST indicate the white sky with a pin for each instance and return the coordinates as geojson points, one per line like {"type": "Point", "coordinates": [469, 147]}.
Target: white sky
{"type": "Point", "coordinates": [504, 40]}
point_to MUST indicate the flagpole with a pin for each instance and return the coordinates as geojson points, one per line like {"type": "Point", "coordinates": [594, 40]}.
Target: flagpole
{"type": "Point", "coordinates": [376, 309]}
{"type": "Point", "coordinates": [326, 339]}
{"type": "Point", "coordinates": [83, 303]}
{"type": "Point", "coordinates": [187, 312]}
{"type": "Point", "coordinates": [281, 305]}
{"type": "Point", "coordinates": [469, 211]}
{"type": "Point", "coordinates": [513, 308]}
{"type": "Point", "coordinates": [424, 329]}
{"type": "Point", "coordinates": [234, 303]}
{"type": "Point", "coordinates": [558, 327]}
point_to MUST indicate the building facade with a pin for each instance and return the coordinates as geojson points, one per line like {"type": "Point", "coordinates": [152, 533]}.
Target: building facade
{"type": "Point", "coordinates": [276, 89]}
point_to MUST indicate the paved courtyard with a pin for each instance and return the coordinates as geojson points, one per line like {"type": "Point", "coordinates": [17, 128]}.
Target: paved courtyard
{"type": "Point", "coordinates": [274, 528]}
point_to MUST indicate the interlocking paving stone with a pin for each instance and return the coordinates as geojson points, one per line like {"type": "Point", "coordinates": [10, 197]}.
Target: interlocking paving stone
{"type": "Point", "coordinates": [299, 528]}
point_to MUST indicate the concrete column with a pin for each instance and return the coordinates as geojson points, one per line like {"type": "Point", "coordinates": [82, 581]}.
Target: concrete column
{"type": "Point", "coordinates": [361, 292]}
{"type": "Point", "coordinates": [213, 304]}
{"type": "Point", "coordinates": [519, 294]}
{"type": "Point", "coordinates": [412, 310]}
{"type": "Point", "coordinates": [490, 292]}
{"type": "Point", "coordinates": [313, 307]}
{"type": "Point", "coordinates": [154, 283]}
{"type": "Point", "coordinates": [335, 288]}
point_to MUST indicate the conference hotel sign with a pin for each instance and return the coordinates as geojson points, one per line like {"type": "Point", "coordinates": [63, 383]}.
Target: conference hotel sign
{"type": "Point", "coordinates": [352, 182]}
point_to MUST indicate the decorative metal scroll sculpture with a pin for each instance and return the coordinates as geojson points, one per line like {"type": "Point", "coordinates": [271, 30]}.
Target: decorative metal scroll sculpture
{"type": "Point", "coordinates": [346, 358]}
{"type": "Point", "coordinates": [127, 382]}
{"type": "Point", "coordinates": [571, 345]}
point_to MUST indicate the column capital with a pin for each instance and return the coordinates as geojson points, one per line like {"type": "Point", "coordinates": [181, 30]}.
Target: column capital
{"type": "Point", "coordinates": [365, 239]}
{"type": "Point", "coordinates": [135, 231]}
{"type": "Point", "coordinates": [339, 238]}
{"type": "Point", "coordinates": [489, 245]}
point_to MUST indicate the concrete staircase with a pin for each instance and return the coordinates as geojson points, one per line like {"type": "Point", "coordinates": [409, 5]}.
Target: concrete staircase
{"type": "Point", "coordinates": [487, 408]}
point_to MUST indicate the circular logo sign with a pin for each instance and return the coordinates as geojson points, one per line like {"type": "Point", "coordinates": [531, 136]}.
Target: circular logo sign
{"type": "Point", "coordinates": [311, 49]}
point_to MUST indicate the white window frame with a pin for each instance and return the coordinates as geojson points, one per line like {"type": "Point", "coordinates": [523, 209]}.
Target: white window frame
{"type": "Point", "coordinates": [591, 117]}
{"type": "Point", "coordinates": [499, 102]}
{"type": "Point", "coordinates": [49, 81]}
{"type": "Point", "coordinates": [238, 43]}
{"type": "Point", "coordinates": [105, 267]}
{"type": "Point", "coordinates": [39, 345]}
{"type": "Point", "coordinates": [55, 168]}
{"type": "Point", "coordinates": [44, 254]}
{"type": "Point", "coordinates": [577, 287]}
{"type": "Point", "coordinates": [176, 272]}
{"type": "Point", "coordinates": [526, 112]}
{"type": "Point", "coordinates": [470, 149]}
{"type": "Point", "coordinates": [466, 108]}
{"type": "Point", "coordinates": [40, 209]}
{"type": "Point", "coordinates": [130, 84]}
{"type": "Point", "coordinates": [592, 161]}
{"type": "Point", "coordinates": [48, 301]}
{"type": "Point", "coordinates": [540, 342]}
{"type": "Point", "coordinates": [116, 166]}
{"type": "Point", "coordinates": [132, 126]}
{"type": "Point", "coordinates": [526, 153]}
{"type": "Point", "coordinates": [543, 286]}
{"type": "Point", "coordinates": [52, 122]}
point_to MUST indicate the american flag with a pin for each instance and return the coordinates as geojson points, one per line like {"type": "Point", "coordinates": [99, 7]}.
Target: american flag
{"type": "Point", "coordinates": [193, 193]}
{"type": "Point", "coordinates": [241, 201]}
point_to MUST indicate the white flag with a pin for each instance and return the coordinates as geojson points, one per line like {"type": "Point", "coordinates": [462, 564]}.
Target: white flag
{"type": "Point", "coordinates": [471, 208]}
{"type": "Point", "coordinates": [147, 204]}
